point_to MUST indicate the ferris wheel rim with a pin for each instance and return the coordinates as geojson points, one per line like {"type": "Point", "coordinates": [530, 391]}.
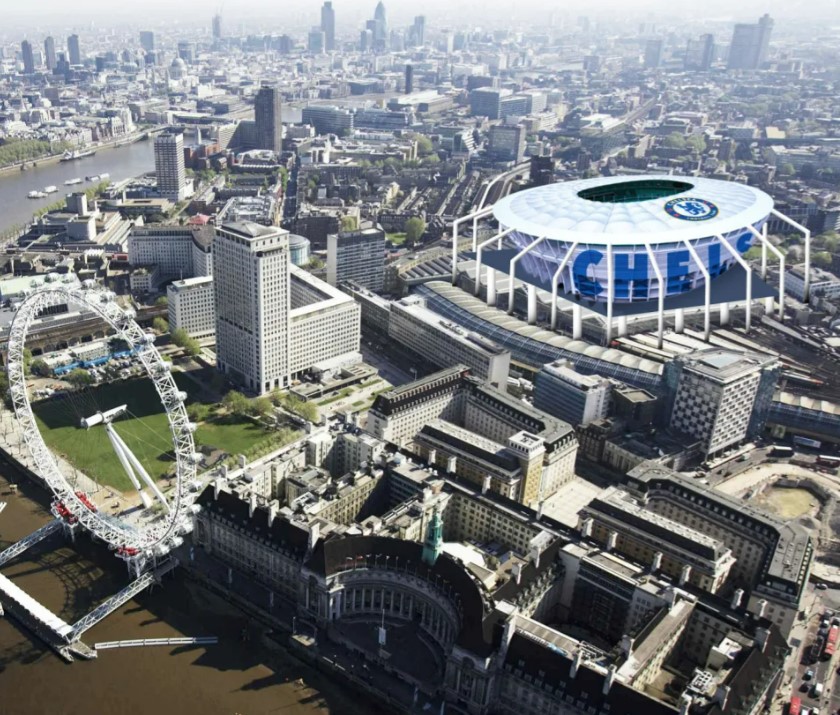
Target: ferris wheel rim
{"type": "Point", "coordinates": [163, 530]}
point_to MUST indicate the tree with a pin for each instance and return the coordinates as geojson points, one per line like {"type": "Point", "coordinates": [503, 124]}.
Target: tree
{"type": "Point", "coordinates": [4, 389]}
{"type": "Point", "coordinates": [424, 145]}
{"type": "Point", "coordinates": [696, 142]}
{"type": "Point", "coordinates": [822, 259]}
{"type": "Point", "coordinates": [160, 325]}
{"type": "Point", "coordinates": [27, 360]}
{"type": "Point", "coordinates": [236, 403]}
{"type": "Point", "coordinates": [349, 223]}
{"type": "Point", "coordinates": [787, 169]}
{"type": "Point", "coordinates": [415, 227]}
{"type": "Point", "coordinates": [39, 367]}
{"type": "Point", "coordinates": [198, 412]}
{"type": "Point", "coordinates": [306, 410]}
{"type": "Point", "coordinates": [79, 378]}
{"type": "Point", "coordinates": [261, 407]}
{"type": "Point", "coordinates": [674, 140]}
{"type": "Point", "coordinates": [182, 339]}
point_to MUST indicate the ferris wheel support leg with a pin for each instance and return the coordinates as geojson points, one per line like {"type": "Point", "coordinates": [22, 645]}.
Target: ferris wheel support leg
{"type": "Point", "coordinates": [119, 448]}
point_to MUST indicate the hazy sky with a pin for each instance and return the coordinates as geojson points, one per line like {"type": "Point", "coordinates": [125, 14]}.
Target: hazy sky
{"type": "Point", "coordinates": [496, 12]}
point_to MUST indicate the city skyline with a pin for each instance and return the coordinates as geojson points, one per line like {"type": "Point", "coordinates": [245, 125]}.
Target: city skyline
{"type": "Point", "coordinates": [491, 13]}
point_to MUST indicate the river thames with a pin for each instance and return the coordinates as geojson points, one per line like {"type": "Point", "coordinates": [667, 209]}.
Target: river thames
{"type": "Point", "coordinates": [228, 678]}
{"type": "Point", "coordinates": [119, 162]}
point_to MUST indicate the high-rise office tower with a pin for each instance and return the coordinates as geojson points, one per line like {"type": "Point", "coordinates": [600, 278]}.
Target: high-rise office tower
{"type": "Point", "coordinates": [28, 57]}
{"type": "Point", "coordinates": [700, 53]}
{"type": "Point", "coordinates": [217, 27]}
{"type": "Point", "coordinates": [147, 40]}
{"type": "Point", "coordinates": [49, 53]}
{"type": "Point", "coordinates": [316, 41]}
{"type": "Point", "coordinates": [251, 284]}
{"type": "Point", "coordinates": [380, 32]}
{"type": "Point", "coordinates": [186, 51]}
{"type": "Point", "coordinates": [328, 25]}
{"type": "Point", "coordinates": [419, 30]}
{"type": "Point", "coordinates": [653, 54]}
{"type": "Point", "coordinates": [409, 79]}
{"type": "Point", "coordinates": [748, 50]}
{"type": "Point", "coordinates": [357, 256]}
{"type": "Point", "coordinates": [74, 51]}
{"type": "Point", "coordinates": [169, 166]}
{"type": "Point", "coordinates": [720, 397]}
{"type": "Point", "coordinates": [267, 112]}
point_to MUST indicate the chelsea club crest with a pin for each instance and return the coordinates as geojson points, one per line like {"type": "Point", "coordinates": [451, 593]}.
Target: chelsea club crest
{"type": "Point", "coordinates": [690, 209]}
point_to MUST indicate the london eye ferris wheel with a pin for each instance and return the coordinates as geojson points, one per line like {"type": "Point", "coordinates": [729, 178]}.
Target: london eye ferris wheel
{"type": "Point", "coordinates": [142, 539]}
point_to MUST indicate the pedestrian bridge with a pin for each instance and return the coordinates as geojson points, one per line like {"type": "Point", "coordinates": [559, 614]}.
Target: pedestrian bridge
{"type": "Point", "coordinates": [141, 642]}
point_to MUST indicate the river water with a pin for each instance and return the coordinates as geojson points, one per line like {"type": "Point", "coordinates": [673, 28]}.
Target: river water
{"type": "Point", "coordinates": [120, 162]}
{"type": "Point", "coordinates": [229, 678]}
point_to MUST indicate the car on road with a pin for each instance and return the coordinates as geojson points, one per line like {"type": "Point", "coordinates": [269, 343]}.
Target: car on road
{"type": "Point", "coordinates": [822, 586]}
{"type": "Point", "coordinates": [808, 674]}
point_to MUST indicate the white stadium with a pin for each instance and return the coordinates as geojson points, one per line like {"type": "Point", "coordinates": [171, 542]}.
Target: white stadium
{"type": "Point", "coordinates": [630, 247]}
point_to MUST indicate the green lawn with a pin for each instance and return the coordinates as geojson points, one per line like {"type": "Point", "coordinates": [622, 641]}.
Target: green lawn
{"type": "Point", "coordinates": [145, 430]}
{"type": "Point", "coordinates": [397, 238]}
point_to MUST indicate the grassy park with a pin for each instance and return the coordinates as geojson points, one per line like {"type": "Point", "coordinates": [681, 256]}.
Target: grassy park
{"type": "Point", "coordinates": [144, 428]}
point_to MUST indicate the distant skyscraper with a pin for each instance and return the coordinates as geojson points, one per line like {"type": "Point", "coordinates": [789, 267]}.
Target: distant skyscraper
{"type": "Point", "coordinates": [169, 166]}
{"type": "Point", "coordinates": [217, 27]}
{"type": "Point", "coordinates": [74, 51]}
{"type": "Point", "coordinates": [328, 25]}
{"type": "Point", "coordinates": [28, 57]}
{"type": "Point", "coordinates": [409, 79]}
{"type": "Point", "coordinates": [186, 51]}
{"type": "Point", "coordinates": [418, 30]}
{"type": "Point", "coordinates": [49, 53]}
{"type": "Point", "coordinates": [748, 50]}
{"type": "Point", "coordinates": [380, 32]}
{"type": "Point", "coordinates": [700, 53]}
{"type": "Point", "coordinates": [147, 40]}
{"type": "Point", "coordinates": [316, 41]}
{"type": "Point", "coordinates": [267, 112]}
{"type": "Point", "coordinates": [653, 54]}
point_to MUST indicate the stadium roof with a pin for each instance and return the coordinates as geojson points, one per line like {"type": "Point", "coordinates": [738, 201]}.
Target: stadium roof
{"type": "Point", "coordinates": [629, 210]}
{"type": "Point", "coordinates": [514, 325]}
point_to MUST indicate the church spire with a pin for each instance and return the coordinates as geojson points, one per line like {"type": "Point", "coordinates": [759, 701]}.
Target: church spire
{"type": "Point", "coordinates": [433, 544]}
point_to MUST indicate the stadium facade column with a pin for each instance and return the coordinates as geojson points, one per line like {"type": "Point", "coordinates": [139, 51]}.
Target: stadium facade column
{"type": "Point", "coordinates": [748, 270]}
{"type": "Point", "coordinates": [765, 243]}
{"type": "Point", "coordinates": [707, 291]}
{"type": "Point", "coordinates": [577, 322]}
{"type": "Point", "coordinates": [491, 286]}
{"type": "Point", "coordinates": [555, 280]}
{"type": "Point", "coordinates": [660, 307]}
{"type": "Point", "coordinates": [532, 304]}
{"type": "Point", "coordinates": [806, 233]}
{"type": "Point", "coordinates": [479, 250]}
{"type": "Point", "coordinates": [512, 279]}
{"type": "Point", "coordinates": [455, 225]}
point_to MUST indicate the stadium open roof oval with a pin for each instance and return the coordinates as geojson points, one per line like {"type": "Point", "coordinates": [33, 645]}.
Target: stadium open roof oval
{"type": "Point", "coordinates": [629, 210]}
